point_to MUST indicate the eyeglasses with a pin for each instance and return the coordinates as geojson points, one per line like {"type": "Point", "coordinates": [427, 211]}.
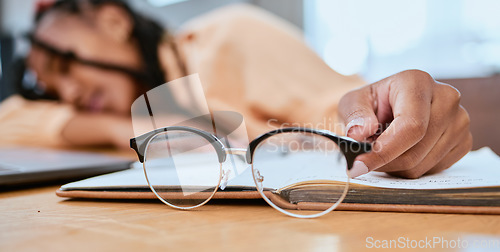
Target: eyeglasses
{"type": "Point", "coordinates": [67, 57]}
{"type": "Point", "coordinates": [300, 172]}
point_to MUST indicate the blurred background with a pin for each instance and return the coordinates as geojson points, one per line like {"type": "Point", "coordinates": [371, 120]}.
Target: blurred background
{"type": "Point", "coordinates": [456, 41]}
{"type": "Point", "coordinates": [448, 38]}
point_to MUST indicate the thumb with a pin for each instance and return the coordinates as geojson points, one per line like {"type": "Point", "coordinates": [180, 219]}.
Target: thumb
{"type": "Point", "coordinates": [357, 110]}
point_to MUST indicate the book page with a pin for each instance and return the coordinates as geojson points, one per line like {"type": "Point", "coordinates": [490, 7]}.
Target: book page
{"type": "Point", "coordinates": [479, 168]}
{"type": "Point", "coordinates": [136, 178]}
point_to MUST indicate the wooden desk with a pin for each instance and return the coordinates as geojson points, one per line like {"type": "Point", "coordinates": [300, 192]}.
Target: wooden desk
{"type": "Point", "coordinates": [37, 220]}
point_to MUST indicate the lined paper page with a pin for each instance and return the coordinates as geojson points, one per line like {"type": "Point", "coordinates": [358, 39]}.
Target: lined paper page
{"type": "Point", "coordinates": [479, 168]}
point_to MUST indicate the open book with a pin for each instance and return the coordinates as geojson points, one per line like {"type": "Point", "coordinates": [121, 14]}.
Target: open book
{"type": "Point", "coordinates": [472, 185]}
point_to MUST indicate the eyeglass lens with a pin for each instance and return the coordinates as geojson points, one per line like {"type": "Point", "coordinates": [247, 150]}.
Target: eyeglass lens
{"type": "Point", "coordinates": [301, 174]}
{"type": "Point", "coordinates": [182, 168]}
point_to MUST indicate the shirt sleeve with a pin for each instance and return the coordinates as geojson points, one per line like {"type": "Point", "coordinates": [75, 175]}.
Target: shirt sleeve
{"type": "Point", "coordinates": [33, 123]}
{"type": "Point", "coordinates": [254, 63]}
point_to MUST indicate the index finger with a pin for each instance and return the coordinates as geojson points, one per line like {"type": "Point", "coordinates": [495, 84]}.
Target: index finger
{"type": "Point", "coordinates": [411, 105]}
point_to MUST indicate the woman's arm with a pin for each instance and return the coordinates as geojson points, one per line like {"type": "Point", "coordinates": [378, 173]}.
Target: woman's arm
{"type": "Point", "coordinates": [52, 124]}
{"type": "Point", "coordinates": [85, 129]}
{"type": "Point", "coordinates": [255, 63]}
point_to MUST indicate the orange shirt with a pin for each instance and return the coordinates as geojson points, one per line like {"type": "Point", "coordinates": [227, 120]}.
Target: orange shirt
{"type": "Point", "coordinates": [254, 63]}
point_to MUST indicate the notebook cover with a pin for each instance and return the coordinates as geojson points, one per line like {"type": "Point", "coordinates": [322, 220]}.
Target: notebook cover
{"type": "Point", "coordinates": [305, 206]}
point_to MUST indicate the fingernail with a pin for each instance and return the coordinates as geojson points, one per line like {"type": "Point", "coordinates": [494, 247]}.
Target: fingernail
{"type": "Point", "coordinates": [358, 168]}
{"type": "Point", "coordinates": [355, 122]}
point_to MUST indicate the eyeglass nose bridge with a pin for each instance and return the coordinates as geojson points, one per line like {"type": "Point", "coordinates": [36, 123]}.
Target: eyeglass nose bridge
{"type": "Point", "coordinates": [236, 151]}
{"type": "Point", "coordinates": [240, 152]}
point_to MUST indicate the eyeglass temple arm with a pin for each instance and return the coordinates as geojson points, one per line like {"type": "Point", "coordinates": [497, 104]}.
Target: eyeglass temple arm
{"type": "Point", "coordinates": [352, 149]}
{"type": "Point", "coordinates": [133, 145]}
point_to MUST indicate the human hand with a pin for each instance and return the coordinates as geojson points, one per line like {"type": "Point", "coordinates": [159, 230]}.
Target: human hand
{"type": "Point", "coordinates": [417, 123]}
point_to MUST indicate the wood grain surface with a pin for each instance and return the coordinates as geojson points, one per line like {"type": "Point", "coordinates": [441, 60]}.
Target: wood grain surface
{"type": "Point", "coordinates": [37, 220]}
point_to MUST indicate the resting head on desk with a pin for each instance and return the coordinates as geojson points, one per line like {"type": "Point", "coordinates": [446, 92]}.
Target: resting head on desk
{"type": "Point", "coordinates": [96, 57]}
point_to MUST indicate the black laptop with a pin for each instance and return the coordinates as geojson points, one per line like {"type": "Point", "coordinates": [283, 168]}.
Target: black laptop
{"type": "Point", "coordinates": [31, 166]}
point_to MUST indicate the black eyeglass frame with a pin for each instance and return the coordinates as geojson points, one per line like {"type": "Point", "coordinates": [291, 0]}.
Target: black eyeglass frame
{"type": "Point", "coordinates": [71, 56]}
{"type": "Point", "coordinates": [349, 147]}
